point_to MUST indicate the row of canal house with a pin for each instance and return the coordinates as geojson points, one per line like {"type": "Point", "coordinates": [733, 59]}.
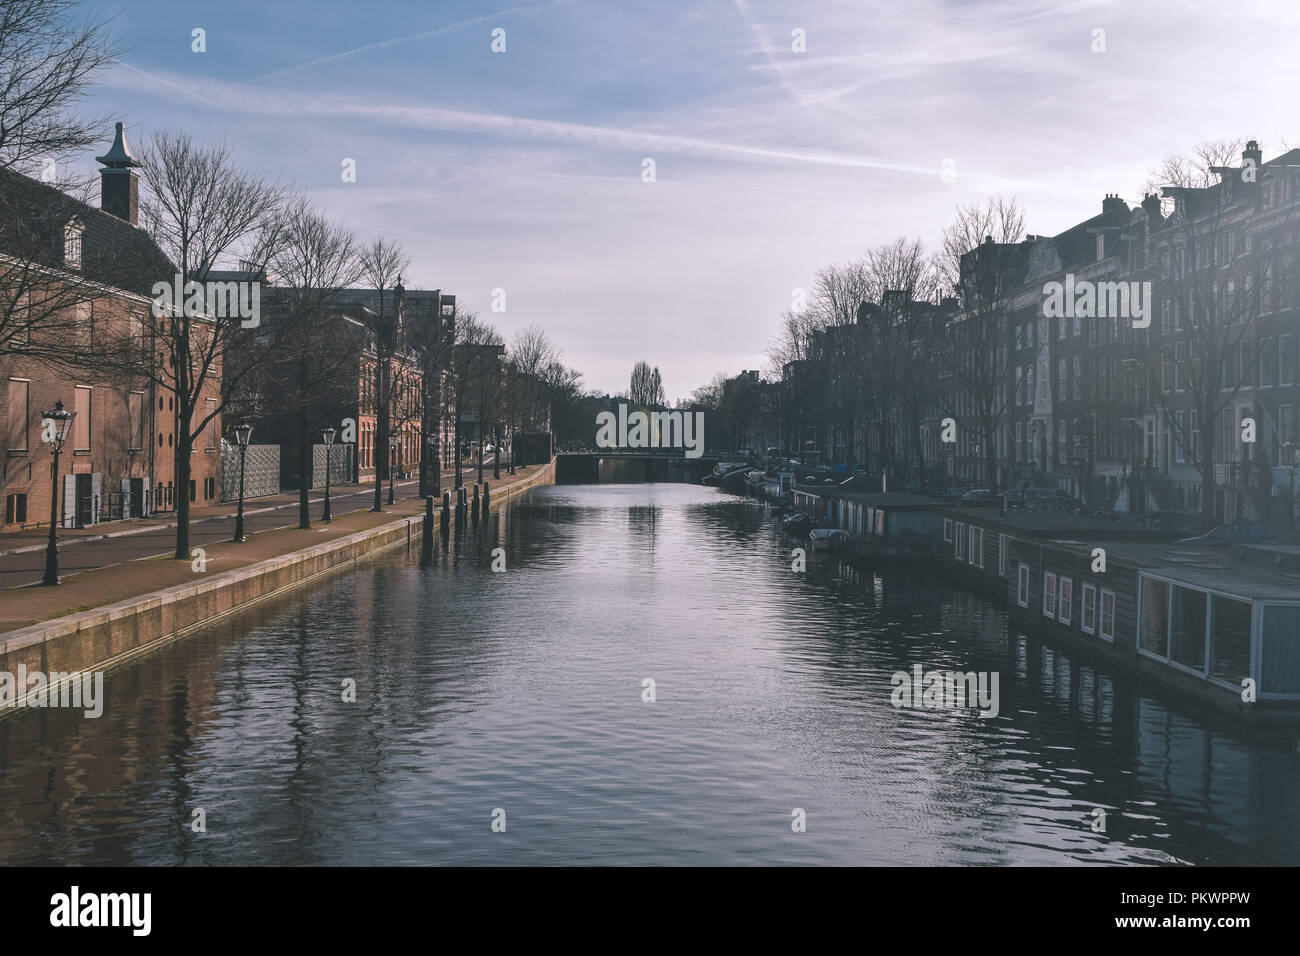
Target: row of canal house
{"type": "Point", "coordinates": [1221, 627]}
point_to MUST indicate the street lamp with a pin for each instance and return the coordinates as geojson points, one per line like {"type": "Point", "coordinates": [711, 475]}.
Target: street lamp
{"type": "Point", "coordinates": [243, 433]}
{"type": "Point", "coordinates": [328, 435]}
{"type": "Point", "coordinates": [62, 422]}
{"type": "Point", "coordinates": [392, 464]}
{"type": "Point", "coordinates": [437, 464]}
{"type": "Point", "coordinates": [1289, 447]}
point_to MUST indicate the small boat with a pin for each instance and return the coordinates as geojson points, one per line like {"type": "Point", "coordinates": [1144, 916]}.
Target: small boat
{"type": "Point", "coordinates": [821, 539]}
{"type": "Point", "coordinates": [728, 475]}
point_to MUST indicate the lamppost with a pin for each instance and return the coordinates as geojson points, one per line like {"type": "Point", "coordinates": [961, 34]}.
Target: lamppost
{"type": "Point", "coordinates": [496, 455]}
{"type": "Point", "coordinates": [1085, 449]}
{"type": "Point", "coordinates": [392, 464]}
{"type": "Point", "coordinates": [62, 421]}
{"type": "Point", "coordinates": [243, 433]}
{"type": "Point", "coordinates": [436, 458]}
{"type": "Point", "coordinates": [328, 435]}
{"type": "Point", "coordinates": [1289, 447]}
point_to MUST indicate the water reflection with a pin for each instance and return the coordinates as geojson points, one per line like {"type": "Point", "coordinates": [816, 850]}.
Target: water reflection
{"type": "Point", "coordinates": [522, 690]}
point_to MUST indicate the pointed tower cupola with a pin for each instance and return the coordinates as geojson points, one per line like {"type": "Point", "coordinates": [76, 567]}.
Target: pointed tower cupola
{"type": "Point", "coordinates": [119, 191]}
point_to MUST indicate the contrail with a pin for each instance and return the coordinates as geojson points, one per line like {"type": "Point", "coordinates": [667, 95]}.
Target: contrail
{"type": "Point", "coordinates": [186, 91]}
{"type": "Point", "coordinates": [382, 44]}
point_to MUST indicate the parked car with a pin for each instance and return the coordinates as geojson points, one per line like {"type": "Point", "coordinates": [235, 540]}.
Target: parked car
{"type": "Point", "coordinates": [953, 493]}
{"type": "Point", "coordinates": [978, 496]}
{"type": "Point", "coordinates": [1239, 532]}
{"type": "Point", "coordinates": [1173, 522]}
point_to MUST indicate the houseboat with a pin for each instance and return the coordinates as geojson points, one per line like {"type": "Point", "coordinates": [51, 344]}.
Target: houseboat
{"type": "Point", "coordinates": [1199, 622]}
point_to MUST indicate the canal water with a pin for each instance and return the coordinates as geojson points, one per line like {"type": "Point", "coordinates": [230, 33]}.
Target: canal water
{"type": "Point", "coordinates": [521, 697]}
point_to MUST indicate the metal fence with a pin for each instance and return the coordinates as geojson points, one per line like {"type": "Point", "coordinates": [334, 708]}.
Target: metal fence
{"type": "Point", "coordinates": [341, 464]}
{"type": "Point", "coordinates": [261, 473]}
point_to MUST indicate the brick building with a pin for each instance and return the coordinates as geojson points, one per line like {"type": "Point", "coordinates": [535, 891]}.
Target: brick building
{"type": "Point", "coordinates": [74, 281]}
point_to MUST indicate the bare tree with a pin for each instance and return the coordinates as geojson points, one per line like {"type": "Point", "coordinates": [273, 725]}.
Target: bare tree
{"type": "Point", "coordinates": [646, 387]}
{"type": "Point", "coordinates": [202, 210]}
{"type": "Point", "coordinates": [899, 339]}
{"type": "Point", "coordinates": [475, 359]}
{"type": "Point", "coordinates": [531, 351]}
{"type": "Point", "coordinates": [432, 339]}
{"type": "Point", "coordinates": [382, 264]}
{"type": "Point", "coordinates": [838, 293]}
{"type": "Point", "coordinates": [48, 59]}
{"type": "Point", "coordinates": [316, 260]}
{"type": "Point", "coordinates": [983, 260]}
{"type": "Point", "coordinates": [1204, 349]}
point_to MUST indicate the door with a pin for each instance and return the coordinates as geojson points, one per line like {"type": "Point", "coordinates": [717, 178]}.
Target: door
{"type": "Point", "coordinates": [68, 507]}
{"type": "Point", "coordinates": [85, 494]}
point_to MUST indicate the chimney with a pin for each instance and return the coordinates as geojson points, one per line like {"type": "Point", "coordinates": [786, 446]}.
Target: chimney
{"type": "Point", "coordinates": [1151, 206]}
{"type": "Point", "coordinates": [1252, 151]}
{"type": "Point", "coordinates": [1112, 203]}
{"type": "Point", "coordinates": [119, 192]}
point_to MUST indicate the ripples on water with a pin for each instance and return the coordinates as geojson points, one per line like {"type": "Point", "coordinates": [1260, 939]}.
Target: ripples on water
{"type": "Point", "coordinates": [523, 691]}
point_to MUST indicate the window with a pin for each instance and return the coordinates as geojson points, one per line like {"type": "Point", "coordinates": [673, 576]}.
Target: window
{"type": "Point", "coordinates": [16, 509]}
{"type": "Point", "coordinates": [1287, 354]}
{"type": "Point", "coordinates": [1022, 585]}
{"type": "Point", "coordinates": [142, 330]}
{"type": "Point", "coordinates": [1187, 627]}
{"type": "Point", "coordinates": [1002, 555]}
{"type": "Point", "coordinates": [1268, 362]}
{"type": "Point", "coordinates": [209, 488]}
{"type": "Point", "coordinates": [1107, 615]}
{"type": "Point", "coordinates": [1088, 609]}
{"type": "Point", "coordinates": [947, 530]}
{"type": "Point", "coordinates": [1066, 600]}
{"type": "Point", "coordinates": [81, 424]}
{"type": "Point", "coordinates": [1230, 648]}
{"type": "Point", "coordinates": [18, 414]}
{"type": "Point", "coordinates": [959, 541]}
{"type": "Point", "coordinates": [72, 245]}
{"type": "Point", "coordinates": [1049, 594]}
{"type": "Point", "coordinates": [135, 421]}
{"type": "Point", "coordinates": [1279, 646]}
{"type": "Point", "coordinates": [1153, 627]}
{"type": "Point", "coordinates": [210, 429]}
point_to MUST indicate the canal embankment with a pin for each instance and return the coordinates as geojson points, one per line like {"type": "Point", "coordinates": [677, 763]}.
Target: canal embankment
{"type": "Point", "coordinates": [118, 613]}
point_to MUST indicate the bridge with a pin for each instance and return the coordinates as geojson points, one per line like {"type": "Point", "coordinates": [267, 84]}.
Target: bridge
{"type": "Point", "coordinates": [630, 464]}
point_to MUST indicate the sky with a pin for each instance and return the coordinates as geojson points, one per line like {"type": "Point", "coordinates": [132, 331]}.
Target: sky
{"type": "Point", "coordinates": [524, 170]}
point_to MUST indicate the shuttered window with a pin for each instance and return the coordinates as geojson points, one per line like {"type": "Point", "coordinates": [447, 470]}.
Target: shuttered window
{"type": "Point", "coordinates": [18, 414]}
{"type": "Point", "coordinates": [81, 424]}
